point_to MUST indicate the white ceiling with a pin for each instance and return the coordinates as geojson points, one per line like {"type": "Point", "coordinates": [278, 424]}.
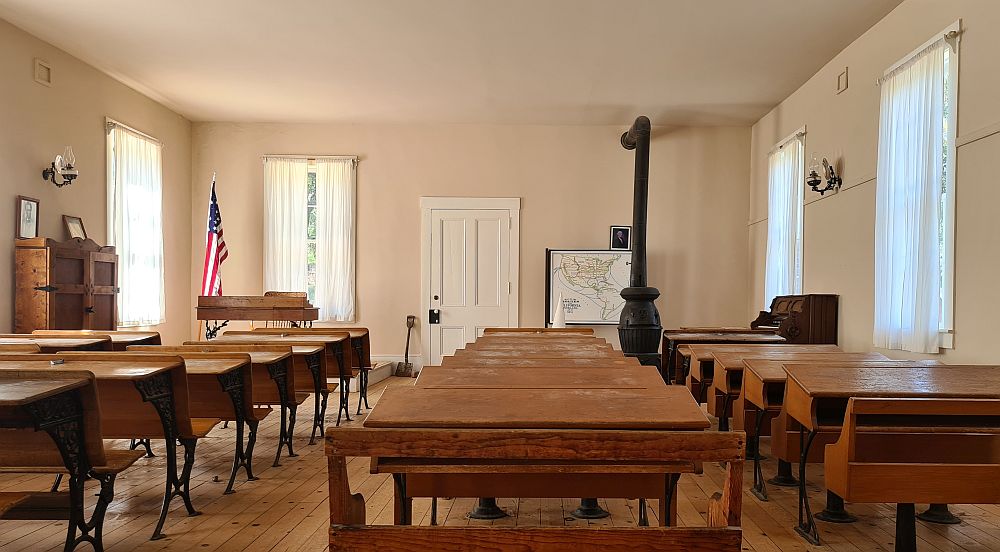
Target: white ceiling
{"type": "Point", "coordinates": [461, 61]}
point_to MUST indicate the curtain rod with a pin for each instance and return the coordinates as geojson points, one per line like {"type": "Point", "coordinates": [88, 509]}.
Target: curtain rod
{"type": "Point", "coordinates": [951, 32]}
{"type": "Point", "coordinates": [111, 123]}
{"type": "Point", "coordinates": [311, 157]}
{"type": "Point", "coordinates": [784, 141]}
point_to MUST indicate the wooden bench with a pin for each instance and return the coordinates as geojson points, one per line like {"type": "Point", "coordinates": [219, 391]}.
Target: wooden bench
{"type": "Point", "coordinates": [52, 424]}
{"type": "Point", "coordinates": [908, 450]}
{"type": "Point", "coordinates": [455, 450]}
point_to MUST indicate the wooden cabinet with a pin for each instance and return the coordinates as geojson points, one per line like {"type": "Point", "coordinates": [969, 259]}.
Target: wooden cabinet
{"type": "Point", "coordinates": [71, 285]}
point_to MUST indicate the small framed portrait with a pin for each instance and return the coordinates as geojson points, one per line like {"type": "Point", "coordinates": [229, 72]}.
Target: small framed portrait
{"type": "Point", "coordinates": [74, 227]}
{"type": "Point", "coordinates": [621, 238]}
{"type": "Point", "coordinates": [27, 217]}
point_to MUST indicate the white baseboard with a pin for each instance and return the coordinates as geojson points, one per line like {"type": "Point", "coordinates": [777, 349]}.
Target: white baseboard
{"type": "Point", "coordinates": [385, 366]}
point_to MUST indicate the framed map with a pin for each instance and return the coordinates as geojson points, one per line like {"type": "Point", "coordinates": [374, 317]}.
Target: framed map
{"type": "Point", "coordinates": [591, 282]}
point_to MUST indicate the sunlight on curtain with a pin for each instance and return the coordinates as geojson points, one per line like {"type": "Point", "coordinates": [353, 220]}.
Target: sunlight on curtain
{"type": "Point", "coordinates": [135, 225]}
{"type": "Point", "coordinates": [908, 199]}
{"type": "Point", "coordinates": [285, 224]}
{"type": "Point", "coordinates": [335, 240]}
{"type": "Point", "coordinates": [786, 181]}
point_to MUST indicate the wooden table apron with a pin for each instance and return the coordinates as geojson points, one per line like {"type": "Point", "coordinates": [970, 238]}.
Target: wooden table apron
{"type": "Point", "coordinates": [816, 397]}
{"type": "Point", "coordinates": [661, 407]}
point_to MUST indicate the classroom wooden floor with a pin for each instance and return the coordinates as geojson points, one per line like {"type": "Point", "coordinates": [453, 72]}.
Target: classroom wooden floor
{"type": "Point", "coordinates": [286, 510]}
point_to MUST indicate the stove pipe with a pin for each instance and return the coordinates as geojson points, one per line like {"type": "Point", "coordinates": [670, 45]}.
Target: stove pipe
{"type": "Point", "coordinates": [639, 327]}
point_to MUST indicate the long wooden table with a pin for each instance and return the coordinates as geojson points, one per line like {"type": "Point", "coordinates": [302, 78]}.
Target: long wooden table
{"type": "Point", "coordinates": [120, 340]}
{"type": "Point", "coordinates": [552, 377]}
{"type": "Point", "coordinates": [273, 308]}
{"type": "Point", "coordinates": [57, 343]}
{"type": "Point", "coordinates": [816, 397]}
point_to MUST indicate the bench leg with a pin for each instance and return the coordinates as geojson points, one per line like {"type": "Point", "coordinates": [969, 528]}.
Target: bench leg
{"type": "Point", "coordinates": [759, 488]}
{"type": "Point", "coordinates": [938, 513]}
{"type": "Point", "coordinates": [834, 512]}
{"type": "Point", "coordinates": [279, 375]}
{"type": "Point", "coordinates": [643, 517]}
{"type": "Point", "coordinates": [56, 483]}
{"type": "Point", "coordinates": [233, 384]}
{"type": "Point", "coordinates": [402, 513]}
{"type": "Point", "coordinates": [906, 529]}
{"type": "Point", "coordinates": [434, 510]}
{"type": "Point", "coordinates": [668, 504]}
{"type": "Point", "coordinates": [784, 477]}
{"type": "Point", "coordinates": [282, 435]}
{"type": "Point", "coordinates": [487, 509]}
{"type": "Point", "coordinates": [345, 390]}
{"type": "Point", "coordinates": [727, 399]}
{"type": "Point", "coordinates": [589, 509]}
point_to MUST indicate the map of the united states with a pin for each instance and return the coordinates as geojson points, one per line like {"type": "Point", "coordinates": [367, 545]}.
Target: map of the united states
{"type": "Point", "coordinates": [591, 284]}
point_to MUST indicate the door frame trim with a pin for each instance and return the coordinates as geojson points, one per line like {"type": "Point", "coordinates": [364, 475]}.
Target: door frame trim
{"type": "Point", "coordinates": [431, 203]}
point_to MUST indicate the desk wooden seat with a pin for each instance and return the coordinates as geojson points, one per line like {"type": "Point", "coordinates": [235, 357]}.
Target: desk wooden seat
{"type": "Point", "coordinates": [552, 377]}
{"type": "Point", "coordinates": [601, 451]}
{"type": "Point", "coordinates": [527, 363]}
{"type": "Point", "coordinates": [120, 340]}
{"type": "Point", "coordinates": [57, 343]}
{"type": "Point", "coordinates": [52, 424]}
{"type": "Point", "coordinates": [539, 352]}
{"type": "Point", "coordinates": [24, 348]}
{"type": "Point", "coordinates": [916, 450]}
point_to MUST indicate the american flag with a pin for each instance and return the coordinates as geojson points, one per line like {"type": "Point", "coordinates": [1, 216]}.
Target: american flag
{"type": "Point", "coordinates": [215, 249]}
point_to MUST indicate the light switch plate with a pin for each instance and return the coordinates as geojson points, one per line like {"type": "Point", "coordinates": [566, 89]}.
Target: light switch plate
{"type": "Point", "coordinates": [842, 81]}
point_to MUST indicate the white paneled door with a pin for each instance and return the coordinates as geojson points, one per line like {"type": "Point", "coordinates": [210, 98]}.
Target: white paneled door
{"type": "Point", "coordinates": [470, 281]}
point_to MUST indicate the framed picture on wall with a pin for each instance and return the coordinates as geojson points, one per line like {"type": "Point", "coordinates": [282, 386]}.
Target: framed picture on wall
{"type": "Point", "coordinates": [74, 226]}
{"type": "Point", "coordinates": [621, 238]}
{"type": "Point", "coordinates": [26, 217]}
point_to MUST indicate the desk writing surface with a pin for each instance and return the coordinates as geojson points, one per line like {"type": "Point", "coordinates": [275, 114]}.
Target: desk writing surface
{"type": "Point", "coordinates": [703, 352]}
{"type": "Point", "coordinates": [422, 407]}
{"type": "Point", "coordinates": [210, 366]}
{"type": "Point", "coordinates": [832, 384]}
{"type": "Point", "coordinates": [67, 343]}
{"type": "Point", "coordinates": [22, 392]}
{"type": "Point", "coordinates": [477, 346]}
{"type": "Point", "coordinates": [619, 377]}
{"type": "Point", "coordinates": [525, 363]}
{"type": "Point", "coordinates": [102, 369]}
{"type": "Point", "coordinates": [734, 361]}
{"type": "Point", "coordinates": [722, 337]}
{"type": "Point", "coordinates": [117, 336]}
{"type": "Point", "coordinates": [264, 338]}
{"type": "Point", "coordinates": [586, 353]}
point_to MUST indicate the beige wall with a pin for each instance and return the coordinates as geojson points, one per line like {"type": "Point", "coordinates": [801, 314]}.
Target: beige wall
{"type": "Point", "coordinates": [36, 122]}
{"type": "Point", "coordinates": [574, 181]}
{"type": "Point", "coordinates": [839, 240]}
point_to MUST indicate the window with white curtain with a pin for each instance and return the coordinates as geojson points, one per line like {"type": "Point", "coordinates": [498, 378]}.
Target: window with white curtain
{"type": "Point", "coordinates": [135, 224]}
{"type": "Point", "coordinates": [915, 198]}
{"type": "Point", "coordinates": [785, 180]}
{"type": "Point", "coordinates": [309, 231]}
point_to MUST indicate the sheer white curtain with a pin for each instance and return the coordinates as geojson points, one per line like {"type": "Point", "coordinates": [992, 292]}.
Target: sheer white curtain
{"type": "Point", "coordinates": [135, 225]}
{"type": "Point", "coordinates": [908, 198]}
{"type": "Point", "coordinates": [335, 192]}
{"type": "Point", "coordinates": [285, 224]}
{"type": "Point", "coordinates": [786, 180]}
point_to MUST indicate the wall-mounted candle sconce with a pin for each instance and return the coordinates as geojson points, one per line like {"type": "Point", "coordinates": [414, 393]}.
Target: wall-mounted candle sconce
{"type": "Point", "coordinates": [64, 167]}
{"type": "Point", "coordinates": [818, 172]}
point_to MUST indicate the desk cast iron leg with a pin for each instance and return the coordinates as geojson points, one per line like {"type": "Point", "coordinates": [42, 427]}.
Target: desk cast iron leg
{"type": "Point", "coordinates": [589, 509]}
{"type": "Point", "coordinates": [668, 377]}
{"type": "Point", "coordinates": [906, 529]}
{"type": "Point", "coordinates": [403, 504]}
{"type": "Point", "coordinates": [279, 374]}
{"type": "Point", "coordinates": [487, 509]}
{"type": "Point", "coordinates": [319, 405]}
{"type": "Point", "coordinates": [938, 513]}
{"type": "Point", "coordinates": [759, 488]}
{"type": "Point", "coordinates": [362, 374]}
{"type": "Point", "coordinates": [61, 417]}
{"type": "Point", "coordinates": [232, 383]}
{"type": "Point", "coordinates": [434, 510]}
{"type": "Point", "coordinates": [345, 381]}
{"type": "Point", "coordinates": [159, 391]}
{"type": "Point", "coordinates": [643, 519]}
{"type": "Point", "coordinates": [251, 441]}
{"type": "Point", "coordinates": [807, 525]}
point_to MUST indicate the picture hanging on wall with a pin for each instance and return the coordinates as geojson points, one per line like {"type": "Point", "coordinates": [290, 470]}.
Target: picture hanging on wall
{"type": "Point", "coordinates": [621, 238]}
{"type": "Point", "coordinates": [27, 217]}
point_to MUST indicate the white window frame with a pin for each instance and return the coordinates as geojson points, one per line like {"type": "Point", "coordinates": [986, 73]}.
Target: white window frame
{"type": "Point", "coordinates": [953, 34]}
